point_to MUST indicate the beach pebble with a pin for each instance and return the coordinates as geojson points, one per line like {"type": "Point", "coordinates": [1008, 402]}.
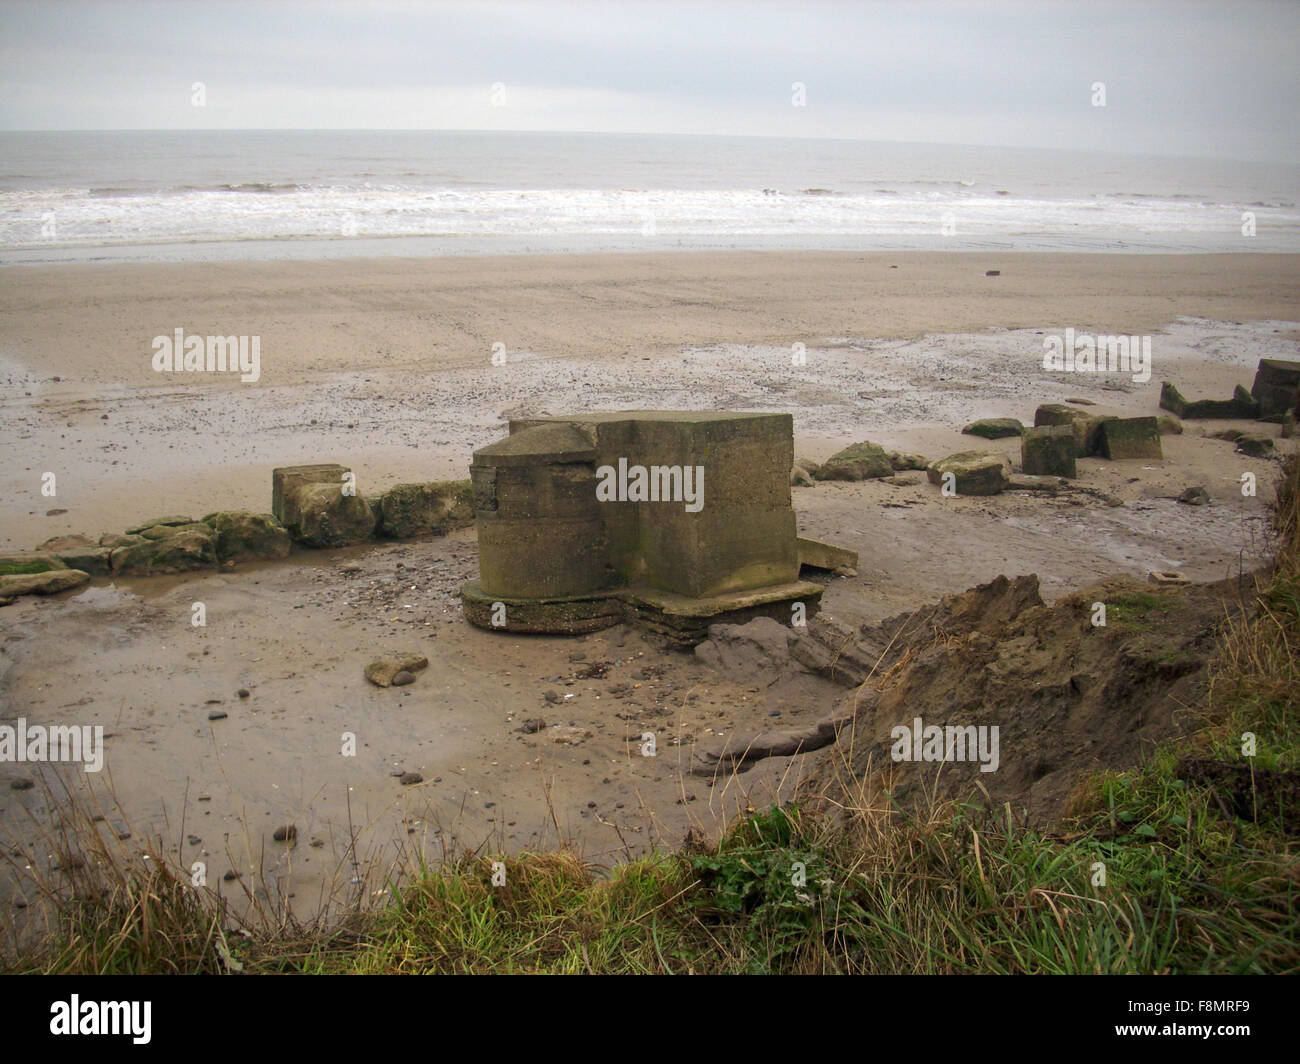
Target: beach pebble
{"type": "Point", "coordinates": [285, 833]}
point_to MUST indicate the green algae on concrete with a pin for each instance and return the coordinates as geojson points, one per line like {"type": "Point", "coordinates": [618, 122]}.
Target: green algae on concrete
{"type": "Point", "coordinates": [1130, 437]}
{"type": "Point", "coordinates": [1048, 450]}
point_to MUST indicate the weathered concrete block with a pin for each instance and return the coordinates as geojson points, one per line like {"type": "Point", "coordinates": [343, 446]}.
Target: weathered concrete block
{"type": "Point", "coordinates": [1241, 405]}
{"type": "Point", "coordinates": [994, 428]}
{"type": "Point", "coordinates": [49, 582]}
{"type": "Point", "coordinates": [286, 481]}
{"type": "Point", "coordinates": [1276, 386]}
{"type": "Point", "coordinates": [1130, 437]}
{"type": "Point", "coordinates": [859, 461]}
{"type": "Point", "coordinates": [1255, 446]}
{"type": "Point", "coordinates": [819, 555]}
{"type": "Point", "coordinates": [328, 518]}
{"type": "Point", "coordinates": [973, 472]}
{"type": "Point", "coordinates": [1048, 450]}
{"type": "Point", "coordinates": [245, 536]}
{"type": "Point", "coordinates": [407, 510]}
{"type": "Point", "coordinates": [189, 548]}
{"type": "Point", "coordinates": [1086, 427]}
{"type": "Point", "coordinates": [23, 562]}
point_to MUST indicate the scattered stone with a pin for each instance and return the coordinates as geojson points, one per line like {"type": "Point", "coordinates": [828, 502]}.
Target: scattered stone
{"type": "Point", "coordinates": [58, 543]}
{"type": "Point", "coordinates": [231, 876]}
{"type": "Point", "coordinates": [568, 735]}
{"type": "Point", "coordinates": [552, 697]}
{"type": "Point", "coordinates": [167, 521]}
{"type": "Point", "coordinates": [975, 472]}
{"type": "Point", "coordinates": [904, 480]}
{"type": "Point", "coordinates": [1231, 435]}
{"type": "Point", "coordinates": [800, 478]}
{"type": "Point", "coordinates": [1275, 387]}
{"type": "Point", "coordinates": [217, 714]}
{"type": "Point", "coordinates": [55, 512]}
{"type": "Point", "coordinates": [403, 678]}
{"type": "Point", "coordinates": [242, 692]}
{"type": "Point", "coordinates": [112, 539]}
{"type": "Point", "coordinates": [46, 583]}
{"type": "Point", "coordinates": [532, 727]}
{"type": "Point", "coordinates": [245, 536]}
{"type": "Point", "coordinates": [1130, 437]}
{"type": "Point", "coordinates": [1023, 482]}
{"type": "Point", "coordinates": [1081, 402]}
{"type": "Point", "coordinates": [1196, 496]}
{"type": "Point", "coordinates": [1254, 446]}
{"type": "Point", "coordinates": [1048, 450]}
{"type": "Point", "coordinates": [383, 671]}
{"type": "Point", "coordinates": [1087, 427]}
{"type": "Point", "coordinates": [808, 466]}
{"type": "Point", "coordinates": [22, 784]}
{"type": "Point", "coordinates": [178, 549]}
{"type": "Point", "coordinates": [23, 562]}
{"type": "Point", "coordinates": [994, 428]}
{"type": "Point", "coordinates": [285, 833]}
{"type": "Point", "coordinates": [901, 461]}
{"type": "Point", "coordinates": [992, 273]}
{"type": "Point", "coordinates": [1169, 426]}
{"type": "Point", "coordinates": [1241, 405]}
{"type": "Point", "coordinates": [860, 461]}
{"type": "Point", "coordinates": [409, 779]}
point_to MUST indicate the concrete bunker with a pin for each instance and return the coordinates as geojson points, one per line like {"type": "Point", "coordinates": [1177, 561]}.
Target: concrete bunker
{"type": "Point", "coordinates": [673, 520]}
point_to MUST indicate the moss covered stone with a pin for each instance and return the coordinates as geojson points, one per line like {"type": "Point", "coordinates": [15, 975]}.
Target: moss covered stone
{"type": "Point", "coordinates": [860, 461]}
{"type": "Point", "coordinates": [246, 536]}
{"type": "Point", "coordinates": [408, 510]}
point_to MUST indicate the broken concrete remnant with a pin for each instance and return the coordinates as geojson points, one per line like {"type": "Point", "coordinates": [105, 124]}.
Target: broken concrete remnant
{"type": "Point", "coordinates": [1195, 496]}
{"type": "Point", "coordinates": [1029, 482]}
{"type": "Point", "coordinates": [573, 539]}
{"type": "Point", "coordinates": [382, 672]}
{"type": "Point", "coordinates": [1241, 405]}
{"type": "Point", "coordinates": [819, 555]}
{"type": "Point", "coordinates": [47, 582]}
{"type": "Point", "coordinates": [1130, 437]}
{"type": "Point", "coordinates": [1169, 426]}
{"type": "Point", "coordinates": [970, 473]}
{"type": "Point", "coordinates": [1277, 382]}
{"type": "Point", "coordinates": [1048, 450]}
{"type": "Point", "coordinates": [1087, 427]}
{"type": "Point", "coordinates": [860, 461]}
{"type": "Point", "coordinates": [739, 752]}
{"type": "Point", "coordinates": [408, 510]}
{"type": "Point", "coordinates": [1255, 446]}
{"type": "Point", "coordinates": [187, 547]}
{"type": "Point", "coordinates": [902, 461]}
{"type": "Point", "coordinates": [169, 521]}
{"type": "Point", "coordinates": [319, 505]}
{"type": "Point", "coordinates": [245, 536]}
{"type": "Point", "coordinates": [994, 428]}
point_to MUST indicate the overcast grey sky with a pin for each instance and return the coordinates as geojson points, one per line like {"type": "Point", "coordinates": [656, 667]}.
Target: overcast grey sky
{"type": "Point", "coordinates": [1184, 78]}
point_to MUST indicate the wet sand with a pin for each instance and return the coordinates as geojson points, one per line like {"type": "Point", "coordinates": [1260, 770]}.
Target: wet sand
{"type": "Point", "coordinates": [388, 365]}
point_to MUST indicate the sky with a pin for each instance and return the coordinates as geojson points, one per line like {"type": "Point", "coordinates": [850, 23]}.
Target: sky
{"type": "Point", "coordinates": [1179, 78]}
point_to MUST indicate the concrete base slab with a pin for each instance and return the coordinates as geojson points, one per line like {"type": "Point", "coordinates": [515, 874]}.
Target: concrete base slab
{"type": "Point", "coordinates": [680, 619]}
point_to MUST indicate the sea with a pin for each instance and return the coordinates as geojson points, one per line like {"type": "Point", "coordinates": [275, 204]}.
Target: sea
{"type": "Point", "coordinates": [274, 194]}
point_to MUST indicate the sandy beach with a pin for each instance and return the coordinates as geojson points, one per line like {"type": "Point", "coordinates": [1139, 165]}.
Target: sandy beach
{"type": "Point", "coordinates": [388, 366]}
